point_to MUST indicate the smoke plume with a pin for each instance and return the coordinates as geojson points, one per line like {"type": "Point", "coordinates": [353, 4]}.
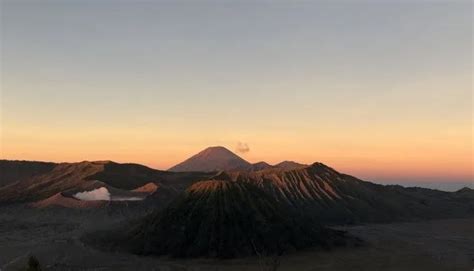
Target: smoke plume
{"type": "Point", "coordinates": [242, 147]}
{"type": "Point", "coordinates": [97, 194]}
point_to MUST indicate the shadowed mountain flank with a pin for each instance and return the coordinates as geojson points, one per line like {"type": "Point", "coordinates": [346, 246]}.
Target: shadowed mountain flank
{"type": "Point", "coordinates": [16, 171]}
{"type": "Point", "coordinates": [223, 219]}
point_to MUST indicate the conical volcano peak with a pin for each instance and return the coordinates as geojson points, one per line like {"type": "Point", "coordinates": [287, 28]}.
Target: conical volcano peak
{"type": "Point", "coordinates": [214, 158]}
{"type": "Point", "coordinates": [215, 150]}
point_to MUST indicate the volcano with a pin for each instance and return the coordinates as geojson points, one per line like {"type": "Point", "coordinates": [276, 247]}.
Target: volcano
{"type": "Point", "coordinates": [223, 219]}
{"type": "Point", "coordinates": [212, 159]}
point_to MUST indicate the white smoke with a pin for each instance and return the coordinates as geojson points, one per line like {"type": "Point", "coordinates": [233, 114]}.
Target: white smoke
{"type": "Point", "coordinates": [96, 194]}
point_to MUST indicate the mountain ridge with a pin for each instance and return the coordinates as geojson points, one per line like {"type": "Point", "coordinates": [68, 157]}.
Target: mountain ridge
{"type": "Point", "coordinates": [85, 175]}
{"type": "Point", "coordinates": [218, 158]}
{"type": "Point", "coordinates": [316, 189]}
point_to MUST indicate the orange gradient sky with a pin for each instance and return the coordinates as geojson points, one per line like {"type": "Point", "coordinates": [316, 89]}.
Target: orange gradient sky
{"type": "Point", "coordinates": [380, 91]}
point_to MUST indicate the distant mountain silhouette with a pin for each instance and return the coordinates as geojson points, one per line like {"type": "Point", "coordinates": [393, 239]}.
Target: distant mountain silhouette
{"type": "Point", "coordinates": [466, 192]}
{"type": "Point", "coordinates": [212, 159]}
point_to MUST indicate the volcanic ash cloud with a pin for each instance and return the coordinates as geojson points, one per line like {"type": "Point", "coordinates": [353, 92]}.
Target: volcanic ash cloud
{"type": "Point", "coordinates": [97, 194]}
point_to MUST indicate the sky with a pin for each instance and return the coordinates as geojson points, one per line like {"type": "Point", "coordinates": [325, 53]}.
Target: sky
{"type": "Point", "coordinates": [378, 89]}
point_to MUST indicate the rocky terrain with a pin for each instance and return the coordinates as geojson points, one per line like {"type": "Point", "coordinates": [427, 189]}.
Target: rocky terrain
{"type": "Point", "coordinates": [232, 210]}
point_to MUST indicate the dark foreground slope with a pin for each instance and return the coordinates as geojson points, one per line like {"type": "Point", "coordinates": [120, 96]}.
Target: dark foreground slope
{"type": "Point", "coordinates": [52, 237]}
{"type": "Point", "coordinates": [222, 219]}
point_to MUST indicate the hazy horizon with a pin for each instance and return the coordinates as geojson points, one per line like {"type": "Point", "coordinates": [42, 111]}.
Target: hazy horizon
{"type": "Point", "coordinates": [381, 91]}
